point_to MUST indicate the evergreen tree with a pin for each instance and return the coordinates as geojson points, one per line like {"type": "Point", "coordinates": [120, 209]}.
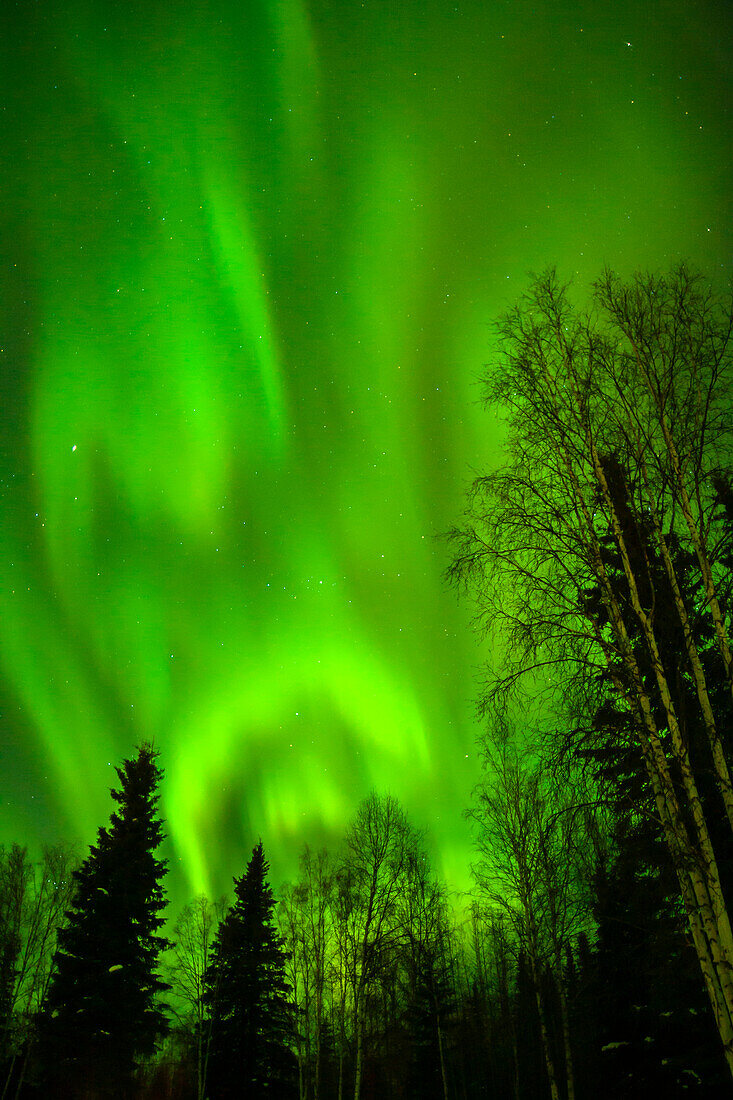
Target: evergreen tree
{"type": "Point", "coordinates": [653, 1035]}
{"type": "Point", "coordinates": [248, 996]}
{"type": "Point", "coordinates": [102, 1013]}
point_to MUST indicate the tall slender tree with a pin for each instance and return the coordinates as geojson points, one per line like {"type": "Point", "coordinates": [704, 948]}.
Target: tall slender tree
{"type": "Point", "coordinates": [428, 987]}
{"type": "Point", "coordinates": [306, 923]}
{"type": "Point", "coordinates": [193, 935]}
{"type": "Point", "coordinates": [248, 996]}
{"type": "Point", "coordinates": [619, 441]}
{"type": "Point", "coordinates": [526, 870]}
{"type": "Point", "coordinates": [103, 1013]}
{"type": "Point", "coordinates": [33, 898]}
{"type": "Point", "coordinates": [374, 875]}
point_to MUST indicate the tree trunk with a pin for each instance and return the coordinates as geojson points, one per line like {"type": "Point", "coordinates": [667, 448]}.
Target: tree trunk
{"type": "Point", "coordinates": [549, 1061]}
{"type": "Point", "coordinates": [441, 1052]}
{"type": "Point", "coordinates": [199, 1067]}
{"type": "Point", "coordinates": [9, 1078]}
{"type": "Point", "coordinates": [301, 1079]}
{"type": "Point", "coordinates": [692, 887]}
{"type": "Point", "coordinates": [565, 1020]}
{"type": "Point", "coordinates": [533, 955]}
{"type": "Point", "coordinates": [686, 508]}
{"type": "Point", "coordinates": [359, 1054]}
{"type": "Point", "coordinates": [720, 764]}
{"type": "Point", "coordinates": [706, 890]}
{"type": "Point", "coordinates": [319, 1023]}
{"type": "Point", "coordinates": [724, 935]}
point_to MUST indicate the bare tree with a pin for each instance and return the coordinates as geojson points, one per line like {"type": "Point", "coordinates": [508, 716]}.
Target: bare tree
{"type": "Point", "coordinates": [305, 922]}
{"type": "Point", "coordinates": [425, 925]}
{"type": "Point", "coordinates": [580, 548]}
{"type": "Point", "coordinates": [375, 858]}
{"type": "Point", "coordinates": [487, 961]}
{"type": "Point", "coordinates": [526, 871]}
{"type": "Point", "coordinates": [33, 900]}
{"type": "Point", "coordinates": [193, 935]}
{"type": "Point", "coordinates": [291, 921]}
{"type": "Point", "coordinates": [343, 965]}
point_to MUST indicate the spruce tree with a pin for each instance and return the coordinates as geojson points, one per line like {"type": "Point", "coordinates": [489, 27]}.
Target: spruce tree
{"type": "Point", "coordinates": [102, 1014]}
{"type": "Point", "coordinates": [248, 996]}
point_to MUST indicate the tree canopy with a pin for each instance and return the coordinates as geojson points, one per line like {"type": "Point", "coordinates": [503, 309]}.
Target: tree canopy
{"type": "Point", "coordinates": [598, 553]}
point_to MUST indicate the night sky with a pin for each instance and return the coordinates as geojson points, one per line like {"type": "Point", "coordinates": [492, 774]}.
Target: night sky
{"type": "Point", "coordinates": [251, 254]}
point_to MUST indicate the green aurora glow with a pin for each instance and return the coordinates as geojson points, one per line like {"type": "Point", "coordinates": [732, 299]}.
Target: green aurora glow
{"type": "Point", "coordinates": [251, 253]}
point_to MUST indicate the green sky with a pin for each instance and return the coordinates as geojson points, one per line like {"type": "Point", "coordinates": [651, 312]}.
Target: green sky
{"type": "Point", "coordinates": [251, 254]}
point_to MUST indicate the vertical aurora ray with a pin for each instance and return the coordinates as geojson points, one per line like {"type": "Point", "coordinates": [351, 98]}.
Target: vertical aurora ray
{"type": "Point", "coordinates": [252, 253]}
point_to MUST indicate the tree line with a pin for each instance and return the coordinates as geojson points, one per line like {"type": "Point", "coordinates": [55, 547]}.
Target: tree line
{"type": "Point", "coordinates": [594, 954]}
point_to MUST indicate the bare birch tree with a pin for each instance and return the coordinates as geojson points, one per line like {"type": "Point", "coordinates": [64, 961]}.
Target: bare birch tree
{"type": "Point", "coordinates": [425, 921]}
{"type": "Point", "coordinates": [193, 935]}
{"type": "Point", "coordinates": [526, 870]}
{"type": "Point", "coordinates": [33, 900]}
{"type": "Point", "coordinates": [305, 918]}
{"type": "Point", "coordinates": [375, 858]}
{"type": "Point", "coordinates": [606, 513]}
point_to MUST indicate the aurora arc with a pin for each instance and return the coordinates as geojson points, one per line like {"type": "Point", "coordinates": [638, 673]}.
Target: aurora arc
{"type": "Point", "coordinates": [251, 256]}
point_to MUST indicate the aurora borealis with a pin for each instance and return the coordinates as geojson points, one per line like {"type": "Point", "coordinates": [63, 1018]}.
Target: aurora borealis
{"type": "Point", "coordinates": [251, 255]}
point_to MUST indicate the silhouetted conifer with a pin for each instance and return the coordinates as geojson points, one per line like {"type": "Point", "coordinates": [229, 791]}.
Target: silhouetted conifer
{"type": "Point", "coordinates": [248, 996]}
{"type": "Point", "coordinates": [102, 1014]}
